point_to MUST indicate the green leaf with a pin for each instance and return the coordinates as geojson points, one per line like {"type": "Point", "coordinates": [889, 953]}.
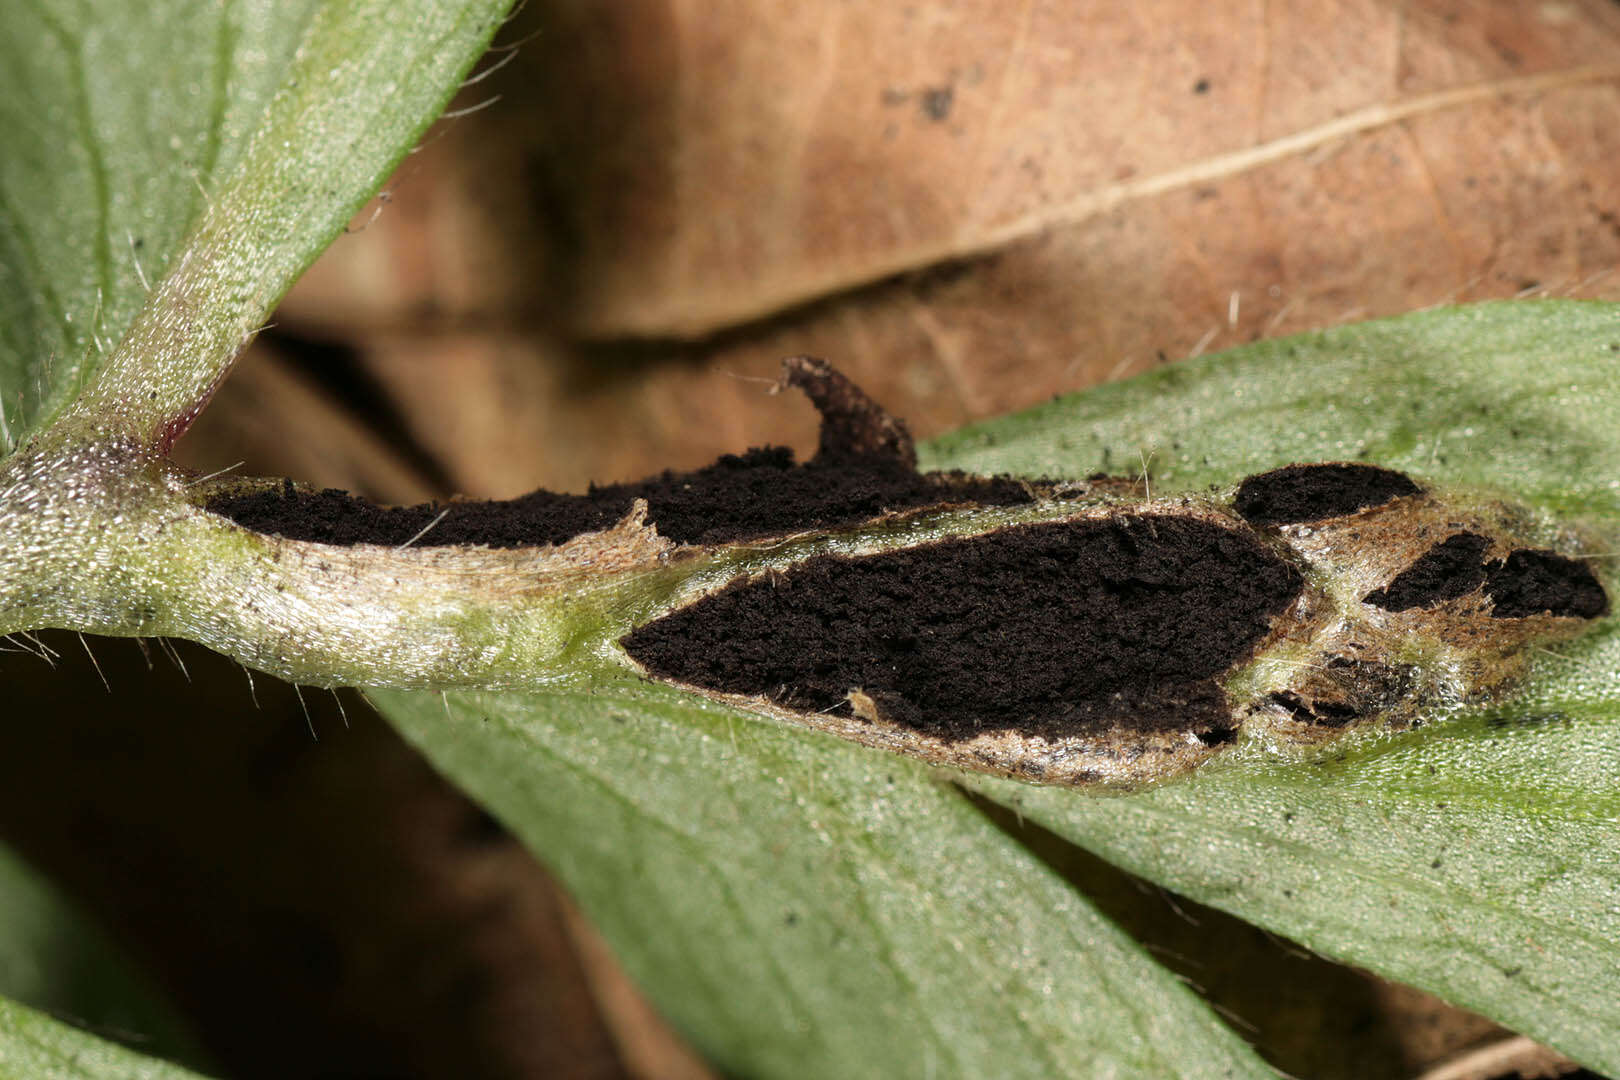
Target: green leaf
{"type": "Point", "coordinates": [1479, 860]}
{"type": "Point", "coordinates": [1518, 397]}
{"type": "Point", "coordinates": [171, 167]}
{"type": "Point", "coordinates": [802, 907]}
{"type": "Point", "coordinates": [54, 958]}
{"type": "Point", "coordinates": [35, 1047]}
{"type": "Point", "coordinates": [1478, 857]}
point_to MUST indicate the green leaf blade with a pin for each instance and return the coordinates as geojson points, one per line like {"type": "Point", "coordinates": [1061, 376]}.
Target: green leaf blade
{"type": "Point", "coordinates": [35, 1047]}
{"type": "Point", "coordinates": [1458, 863]}
{"type": "Point", "coordinates": [1519, 396]}
{"type": "Point", "coordinates": [173, 169]}
{"type": "Point", "coordinates": [802, 907]}
{"type": "Point", "coordinates": [1478, 858]}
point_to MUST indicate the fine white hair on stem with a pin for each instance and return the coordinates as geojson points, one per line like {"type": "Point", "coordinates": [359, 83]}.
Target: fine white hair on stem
{"type": "Point", "coordinates": [94, 663]}
{"type": "Point", "coordinates": [95, 324]}
{"type": "Point", "coordinates": [308, 720]}
{"type": "Point", "coordinates": [473, 80]}
{"type": "Point", "coordinates": [511, 17]}
{"type": "Point", "coordinates": [1276, 319]}
{"type": "Point", "coordinates": [196, 178]}
{"type": "Point", "coordinates": [423, 531]}
{"type": "Point", "coordinates": [216, 472]}
{"type": "Point", "coordinates": [135, 257]}
{"type": "Point", "coordinates": [384, 197]}
{"type": "Point", "coordinates": [1203, 343]}
{"type": "Point", "coordinates": [17, 646]}
{"type": "Point", "coordinates": [1169, 898]}
{"type": "Point", "coordinates": [1590, 280]}
{"type": "Point", "coordinates": [337, 697]}
{"type": "Point", "coordinates": [774, 384]}
{"type": "Point", "coordinates": [174, 656]}
{"type": "Point", "coordinates": [1556, 655]}
{"type": "Point", "coordinates": [457, 114]}
{"type": "Point", "coordinates": [41, 650]}
{"type": "Point", "coordinates": [1233, 1018]}
{"type": "Point", "coordinates": [253, 691]}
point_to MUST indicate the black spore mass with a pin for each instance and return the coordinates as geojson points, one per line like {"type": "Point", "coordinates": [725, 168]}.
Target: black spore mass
{"type": "Point", "coordinates": [1301, 493]}
{"type": "Point", "coordinates": [1528, 582]}
{"type": "Point", "coordinates": [1450, 569]}
{"type": "Point", "coordinates": [739, 497]}
{"type": "Point", "coordinates": [1052, 629]}
{"type": "Point", "coordinates": [865, 466]}
{"type": "Point", "coordinates": [1532, 582]}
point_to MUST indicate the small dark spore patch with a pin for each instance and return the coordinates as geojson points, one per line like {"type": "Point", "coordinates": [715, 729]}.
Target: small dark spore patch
{"type": "Point", "coordinates": [1528, 582]}
{"type": "Point", "coordinates": [1450, 569]}
{"type": "Point", "coordinates": [739, 497]}
{"type": "Point", "coordinates": [865, 466]}
{"type": "Point", "coordinates": [1054, 629]}
{"type": "Point", "coordinates": [1531, 582]}
{"type": "Point", "coordinates": [1299, 493]}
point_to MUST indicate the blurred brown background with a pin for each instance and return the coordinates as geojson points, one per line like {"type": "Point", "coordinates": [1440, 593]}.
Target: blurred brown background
{"type": "Point", "coordinates": [968, 207]}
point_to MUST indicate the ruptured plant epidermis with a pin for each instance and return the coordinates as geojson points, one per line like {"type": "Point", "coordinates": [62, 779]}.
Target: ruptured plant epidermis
{"type": "Point", "coordinates": [1115, 642]}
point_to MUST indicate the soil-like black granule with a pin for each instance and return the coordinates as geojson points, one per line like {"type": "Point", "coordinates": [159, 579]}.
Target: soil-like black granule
{"type": "Point", "coordinates": [1530, 582]}
{"type": "Point", "coordinates": [1452, 568]}
{"type": "Point", "coordinates": [1300, 493]}
{"type": "Point", "coordinates": [865, 467]}
{"type": "Point", "coordinates": [1052, 629]}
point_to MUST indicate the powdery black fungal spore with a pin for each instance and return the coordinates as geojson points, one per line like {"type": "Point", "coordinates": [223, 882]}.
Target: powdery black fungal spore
{"type": "Point", "coordinates": [1531, 582]}
{"type": "Point", "coordinates": [1452, 568]}
{"type": "Point", "coordinates": [1056, 629]}
{"type": "Point", "coordinates": [739, 497]}
{"type": "Point", "coordinates": [1300, 493]}
{"type": "Point", "coordinates": [865, 466]}
{"type": "Point", "coordinates": [1528, 582]}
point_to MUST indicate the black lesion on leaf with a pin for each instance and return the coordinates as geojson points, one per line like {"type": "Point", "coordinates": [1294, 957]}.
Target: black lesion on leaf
{"type": "Point", "coordinates": [1056, 630]}
{"type": "Point", "coordinates": [1296, 494]}
{"type": "Point", "coordinates": [1528, 582]}
{"type": "Point", "coordinates": [865, 467]}
{"type": "Point", "coordinates": [1446, 571]}
{"type": "Point", "coordinates": [1531, 582]}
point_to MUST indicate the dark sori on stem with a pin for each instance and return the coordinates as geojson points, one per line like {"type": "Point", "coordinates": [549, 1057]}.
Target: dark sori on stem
{"type": "Point", "coordinates": [1111, 639]}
